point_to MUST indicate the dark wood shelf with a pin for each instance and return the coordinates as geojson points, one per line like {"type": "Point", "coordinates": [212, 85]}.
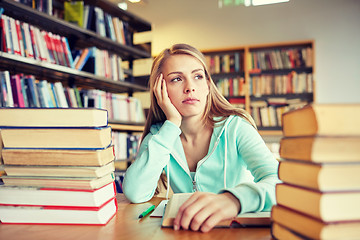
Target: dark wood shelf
{"type": "Point", "coordinates": [217, 76]}
{"type": "Point", "coordinates": [284, 71]}
{"type": "Point", "coordinates": [53, 72]}
{"type": "Point", "coordinates": [304, 96]}
{"type": "Point", "coordinates": [76, 35]}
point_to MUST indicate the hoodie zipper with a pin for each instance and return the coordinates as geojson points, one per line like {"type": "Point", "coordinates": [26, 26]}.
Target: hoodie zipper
{"type": "Point", "coordinates": [195, 188]}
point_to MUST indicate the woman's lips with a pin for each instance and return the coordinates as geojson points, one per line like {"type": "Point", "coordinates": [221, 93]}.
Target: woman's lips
{"type": "Point", "coordinates": [190, 100]}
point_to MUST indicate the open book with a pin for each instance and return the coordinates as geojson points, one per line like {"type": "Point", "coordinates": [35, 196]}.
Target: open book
{"type": "Point", "coordinates": [257, 219]}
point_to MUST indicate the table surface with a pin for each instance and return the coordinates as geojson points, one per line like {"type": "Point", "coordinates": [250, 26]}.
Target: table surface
{"type": "Point", "coordinates": [125, 225]}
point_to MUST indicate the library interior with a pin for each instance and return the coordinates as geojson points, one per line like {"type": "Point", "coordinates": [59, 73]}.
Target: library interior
{"type": "Point", "coordinates": [75, 100]}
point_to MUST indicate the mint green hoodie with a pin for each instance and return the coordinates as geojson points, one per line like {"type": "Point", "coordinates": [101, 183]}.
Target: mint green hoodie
{"type": "Point", "coordinates": [238, 161]}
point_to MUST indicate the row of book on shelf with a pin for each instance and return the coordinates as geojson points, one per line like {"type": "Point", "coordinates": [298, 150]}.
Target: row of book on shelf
{"type": "Point", "coordinates": [287, 58]}
{"type": "Point", "coordinates": [45, 6]}
{"type": "Point", "coordinates": [269, 113]}
{"type": "Point", "coordinates": [59, 166]}
{"type": "Point", "coordinates": [225, 63]}
{"type": "Point", "coordinates": [231, 87]}
{"type": "Point", "coordinates": [29, 41]}
{"type": "Point", "coordinates": [292, 83]}
{"type": "Point", "coordinates": [319, 169]}
{"type": "Point", "coordinates": [96, 19]}
{"type": "Point", "coordinates": [23, 39]}
{"type": "Point", "coordinates": [21, 90]}
{"type": "Point", "coordinates": [86, 16]}
{"type": "Point", "coordinates": [100, 62]}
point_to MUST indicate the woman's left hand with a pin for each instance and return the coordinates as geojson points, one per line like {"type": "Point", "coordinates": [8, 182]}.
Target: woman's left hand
{"type": "Point", "coordinates": [202, 211]}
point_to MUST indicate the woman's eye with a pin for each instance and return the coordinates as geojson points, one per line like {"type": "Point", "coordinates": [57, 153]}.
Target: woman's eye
{"type": "Point", "coordinates": [199, 76]}
{"type": "Point", "coordinates": [177, 79]}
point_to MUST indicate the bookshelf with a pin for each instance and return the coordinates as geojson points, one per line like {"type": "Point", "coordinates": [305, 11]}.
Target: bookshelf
{"type": "Point", "coordinates": [267, 80]}
{"type": "Point", "coordinates": [81, 38]}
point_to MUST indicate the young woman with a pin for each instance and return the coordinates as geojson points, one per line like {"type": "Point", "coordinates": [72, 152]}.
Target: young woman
{"type": "Point", "coordinates": [204, 145]}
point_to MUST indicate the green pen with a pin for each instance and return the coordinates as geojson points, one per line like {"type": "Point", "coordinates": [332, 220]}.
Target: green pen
{"type": "Point", "coordinates": [147, 211]}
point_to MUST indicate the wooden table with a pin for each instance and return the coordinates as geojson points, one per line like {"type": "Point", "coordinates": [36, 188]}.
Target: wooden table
{"type": "Point", "coordinates": [125, 225]}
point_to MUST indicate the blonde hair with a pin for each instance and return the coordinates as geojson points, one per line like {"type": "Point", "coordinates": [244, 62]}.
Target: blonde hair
{"type": "Point", "coordinates": [216, 106]}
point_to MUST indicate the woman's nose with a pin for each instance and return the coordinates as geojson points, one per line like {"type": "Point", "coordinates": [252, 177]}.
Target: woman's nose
{"type": "Point", "coordinates": [189, 87]}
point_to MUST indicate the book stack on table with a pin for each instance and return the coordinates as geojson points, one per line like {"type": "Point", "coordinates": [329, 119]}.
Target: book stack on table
{"type": "Point", "coordinates": [59, 166]}
{"type": "Point", "coordinates": [320, 194]}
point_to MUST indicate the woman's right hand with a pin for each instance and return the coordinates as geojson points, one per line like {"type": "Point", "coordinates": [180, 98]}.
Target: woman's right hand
{"type": "Point", "coordinates": [161, 94]}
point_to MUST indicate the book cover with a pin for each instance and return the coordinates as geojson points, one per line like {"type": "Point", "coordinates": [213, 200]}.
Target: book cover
{"type": "Point", "coordinates": [66, 138]}
{"type": "Point", "coordinates": [324, 206]}
{"type": "Point", "coordinates": [58, 157]}
{"type": "Point", "coordinates": [242, 220]}
{"type": "Point", "coordinates": [322, 119]}
{"type": "Point", "coordinates": [53, 117]}
{"type": "Point", "coordinates": [280, 232]}
{"type": "Point", "coordinates": [56, 197]}
{"type": "Point", "coordinates": [59, 182]}
{"type": "Point", "coordinates": [59, 171]}
{"type": "Point", "coordinates": [312, 227]}
{"type": "Point", "coordinates": [321, 149]}
{"type": "Point", "coordinates": [321, 177]}
{"type": "Point", "coordinates": [58, 215]}
{"type": "Point", "coordinates": [17, 92]}
{"type": "Point", "coordinates": [74, 12]}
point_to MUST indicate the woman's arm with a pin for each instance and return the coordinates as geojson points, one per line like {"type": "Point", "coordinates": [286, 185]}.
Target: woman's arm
{"type": "Point", "coordinates": [258, 195]}
{"type": "Point", "coordinates": [142, 176]}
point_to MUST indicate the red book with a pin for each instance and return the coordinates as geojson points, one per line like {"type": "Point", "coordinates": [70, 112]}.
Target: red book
{"type": "Point", "coordinates": [17, 91]}
{"type": "Point", "coordinates": [59, 215]}
{"type": "Point", "coordinates": [56, 197]}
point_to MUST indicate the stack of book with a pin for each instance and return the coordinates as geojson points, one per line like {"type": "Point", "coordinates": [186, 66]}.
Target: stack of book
{"type": "Point", "coordinates": [59, 166]}
{"type": "Point", "coordinates": [320, 194]}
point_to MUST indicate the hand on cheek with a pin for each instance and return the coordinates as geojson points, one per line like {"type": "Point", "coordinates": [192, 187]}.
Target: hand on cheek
{"type": "Point", "coordinates": [202, 211]}
{"type": "Point", "coordinates": [162, 97]}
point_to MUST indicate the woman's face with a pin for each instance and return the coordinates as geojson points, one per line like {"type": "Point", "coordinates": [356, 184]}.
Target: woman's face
{"type": "Point", "coordinates": [186, 84]}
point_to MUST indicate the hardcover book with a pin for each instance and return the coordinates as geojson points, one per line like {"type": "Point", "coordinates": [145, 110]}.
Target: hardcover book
{"type": "Point", "coordinates": [321, 149]}
{"type": "Point", "coordinates": [68, 215]}
{"type": "Point", "coordinates": [325, 206]}
{"type": "Point", "coordinates": [65, 138]}
{"type": "Point", "coordinates": [58, 157]}
{"type": "Point", "coordinates": [321, 177]}
{"type": "Point", "coordinates": [33, 196]}
{"type": "Point", "coordinates": [53, 117]}
{"type": "Point", "coordinates": [59, 182]}
{"type": "Point", "coordinates": [322, 119]}
{"type": "Point", "coordinates": [313, 228]}
{"type": "Point", "coordinates": [59, 171]}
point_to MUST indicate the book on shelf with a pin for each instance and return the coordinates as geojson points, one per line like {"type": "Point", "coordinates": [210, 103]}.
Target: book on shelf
{"type": "Point", "coordinates": [70, 138]}
{"type": "Point", "coordinates": [6, 90]}
{"type": "Point", "coordinates": [322, 119]}
{"type": "Point", "coordinates": [325, 206]}
{"type": "Point", "coordinates": [313, 228]}
{"type": "Point", "coordinates": [59, 171]}
{"type": "Point", "coordinates": [321, 177]}
{"type": "Point", "coordinates": [55, 197]}
{"type": "Point", "coordinates": [142, 67]}
{"type": "Point", "coordinates": [320, 149]}
{"type": "Point", "coordinates": [62, 215]}
{"type": "Point", "coordinates": [242, 220]}
{"type": "Point", "coordinates": [59, 182]}
{"type": "Point", "coordinates": [58, 157]}
{"type": "Point", "coordinates": [74, 12]}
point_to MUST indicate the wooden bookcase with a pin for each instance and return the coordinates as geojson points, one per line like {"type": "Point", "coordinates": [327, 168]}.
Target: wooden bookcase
{"type": "Point", "coordinates": [266, 80]}
{"type": "Point", "coordinates": [80, 38]}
